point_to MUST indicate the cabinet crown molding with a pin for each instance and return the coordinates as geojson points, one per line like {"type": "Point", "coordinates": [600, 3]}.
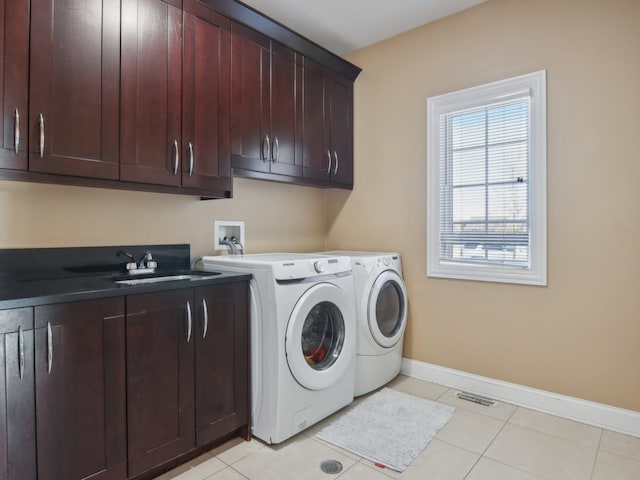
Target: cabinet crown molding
{"type": "Point", "coordinates": [251, 17]}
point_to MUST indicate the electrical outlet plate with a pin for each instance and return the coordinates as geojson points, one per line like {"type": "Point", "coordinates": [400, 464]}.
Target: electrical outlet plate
{"type": "Point", "coordinates": [227, 228]}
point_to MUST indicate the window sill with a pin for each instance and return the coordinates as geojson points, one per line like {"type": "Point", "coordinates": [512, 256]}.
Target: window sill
{"type": "Point", "coordinates": [485, 273]}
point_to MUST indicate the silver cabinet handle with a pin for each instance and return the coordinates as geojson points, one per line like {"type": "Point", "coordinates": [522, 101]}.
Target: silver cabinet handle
{"type": "Point", "coordinates": [41, 121]}
{"type": "Point", "coordinates": [266, 147]}
{"type": "Point", "coordinates": [16, 132]}
{"type": "Point", "coordinates": [275, 150]}
{"type": "Point", "coordinates": [205, 312]}
{"type": "Point", "coordinates": [329, 164]}
{"type": "Point", "coordinates": [176, 158]}
{"type": "Point", "coordinates": [49, 348]}
{"type": "Point", "coordinates": [20, 352]}
{"type": "Point", "coordinates": [335, 156]}
{"type": "Point", "coordinates": [191, 158]}
{"type": "Point", "coordinates": [188, 322]}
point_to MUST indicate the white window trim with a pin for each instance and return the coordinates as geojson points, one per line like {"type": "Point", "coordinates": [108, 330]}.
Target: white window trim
{"type": "Point", "coordinates": [502, 90]}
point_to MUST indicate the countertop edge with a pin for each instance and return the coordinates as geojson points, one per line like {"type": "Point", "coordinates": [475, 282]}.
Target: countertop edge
{"type": "Point", "coordinates": [111, 289]}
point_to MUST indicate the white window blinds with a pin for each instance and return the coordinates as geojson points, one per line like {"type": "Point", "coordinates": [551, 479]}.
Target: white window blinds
{"type": "Point", "coordinates": [486, 199]}
{"type": "Point", "coordinates": [484, 178]}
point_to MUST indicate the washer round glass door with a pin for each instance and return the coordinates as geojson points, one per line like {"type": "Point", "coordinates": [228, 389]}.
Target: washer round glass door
{"type": "Point", "coordinates": [387, 309]}
{"type": "Point", "coordinates": [320, 342]}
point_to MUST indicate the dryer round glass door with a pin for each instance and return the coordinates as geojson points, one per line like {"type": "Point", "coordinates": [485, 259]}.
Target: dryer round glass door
{"type": "Point", "coordinates": [387, 309]}
{"type": "Point", "coordinates": [320, 343]}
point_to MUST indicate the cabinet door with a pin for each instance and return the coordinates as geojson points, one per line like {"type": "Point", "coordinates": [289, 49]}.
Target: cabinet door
{"type": "Point", "coordinates": [206, 84]}
{"type": "Point", "coordinates": [328, 126]}
{"type": "Point", "coordinates": [151, 100]}
{"type": "Point", "coordinates": [341, 129]}
{"type": "Point", "coordinates": [222, 366]}
{"type": "Point", "coordinates": [74, 87]}
{"type": "Point", "coordinates": [160, 391]}
{"type": "Point", "coordinates": [14, 75]}
{"type": "Point", "coordinates": [17, 401]}
{"type": "Point", "coordinates": [317, 158]}
{"type": "Point", "coordinates": [80, 390]}
{"type": "Point", "coordinates": [286, 112]}
{"type": "Point", "coordinates": [250, 140]}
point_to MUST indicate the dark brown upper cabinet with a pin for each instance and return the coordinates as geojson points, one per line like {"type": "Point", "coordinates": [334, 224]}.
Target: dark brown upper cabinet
{"type": "Point", "coordinates": [327, 127]}
{"type": "Point", "coordinates": [167, 96]}
{"type": "Point", "coordinates": [266, 79]}
{"type": "Point", "coordinates": [175, 94]}
{"type": "Point", "coordinates": [14, 75]}
{"type": "Point", "coordinates": [206, 98]}
{"type": "Point", "coordinates": [74, 87]}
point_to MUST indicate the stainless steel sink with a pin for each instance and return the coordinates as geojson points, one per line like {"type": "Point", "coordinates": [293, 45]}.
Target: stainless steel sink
{"type": "Point", "coordinates": [166, 278]}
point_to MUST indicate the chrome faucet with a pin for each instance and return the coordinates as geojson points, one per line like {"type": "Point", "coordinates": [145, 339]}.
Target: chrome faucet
{"type": "Point", "coordinates": [145, 265]}
{"type": "Point", "coordinates": [147, 262]}
{"type": "Point", "coordinates": [126, 254]}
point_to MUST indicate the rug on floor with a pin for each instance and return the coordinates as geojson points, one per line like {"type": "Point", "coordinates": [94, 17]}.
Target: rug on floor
{"type": "Point", "coordinates": [389, 427]}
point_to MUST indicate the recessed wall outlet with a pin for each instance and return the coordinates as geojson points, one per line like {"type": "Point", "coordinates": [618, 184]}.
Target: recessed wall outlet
{"type": "Point", "coordinates": [227, 229]}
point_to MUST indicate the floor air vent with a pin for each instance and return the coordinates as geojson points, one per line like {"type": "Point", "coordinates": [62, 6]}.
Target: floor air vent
{"type": "Point", "coordinates": [331, 466]}
{"type": "Point", "coordinates": [470, 397]}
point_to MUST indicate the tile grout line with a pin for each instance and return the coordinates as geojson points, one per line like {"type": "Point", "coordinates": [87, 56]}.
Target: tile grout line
{"type": "Point", "coordinates": [239, 473]}
{"type": "Point", "coordinates": [472, 467]}
{"type": "Point", "coordinates": [346, 470]}
{"type": "Point", "coordinates": [497, 434]}
{"type": "Point", "coordinates": [482, 455]}
{"type": "Point", "coordinates": [493, 460]}
{"type": "Point", "coordinates": [595, 460]}
{"type": "Point", "coordinates": [547, 435]}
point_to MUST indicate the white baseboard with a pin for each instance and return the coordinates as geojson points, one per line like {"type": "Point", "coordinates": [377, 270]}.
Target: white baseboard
{"type": "Point", "coordinates": [592, 413]}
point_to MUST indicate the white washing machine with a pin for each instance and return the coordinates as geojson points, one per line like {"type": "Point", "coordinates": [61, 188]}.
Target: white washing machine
{"type": "Point", "coordinates": [381, 308]}
{"type": "Point", "coordinates": [303, 338]}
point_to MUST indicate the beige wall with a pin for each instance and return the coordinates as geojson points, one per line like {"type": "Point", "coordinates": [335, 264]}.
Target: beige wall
{"type": "Point", "coordinates": [580, 335]}
{"type": "Point", "coordinates": [277, 217]}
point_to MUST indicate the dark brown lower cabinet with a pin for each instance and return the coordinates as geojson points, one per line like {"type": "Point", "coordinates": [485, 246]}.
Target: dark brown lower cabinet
{"type": "Point", "coordinates": [222, 387]}
{"type": "Point", "coordinates": [87, 392]}
{"type": "Point", "coordinates": [159, 378]}
{"type": "Point", "coordinates": [79, 390]}
{"type": "Point", "coordinates": [187, 371]}
{"type": "Point", "coordinates": [17, 407]}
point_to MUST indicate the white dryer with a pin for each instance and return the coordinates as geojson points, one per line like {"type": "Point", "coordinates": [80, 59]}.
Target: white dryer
{"type": "Point", "coordinates": [381, 308]}
{"type": "Point", "coordinates": [303, 338]}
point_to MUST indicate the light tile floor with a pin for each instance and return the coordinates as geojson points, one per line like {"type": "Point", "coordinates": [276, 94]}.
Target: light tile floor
{"type": "Point", "coordinates": [503, 442]}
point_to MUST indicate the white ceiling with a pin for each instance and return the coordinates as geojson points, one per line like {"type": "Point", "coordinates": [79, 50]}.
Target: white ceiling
{"type": "Point", "coordinates": [342, 26]}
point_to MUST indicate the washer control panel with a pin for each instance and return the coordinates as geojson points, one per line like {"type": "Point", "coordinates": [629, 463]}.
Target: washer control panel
{"type": "Point", "coordinates": [299, 269]}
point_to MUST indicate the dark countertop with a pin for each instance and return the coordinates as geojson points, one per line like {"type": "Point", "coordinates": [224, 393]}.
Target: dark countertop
{"type": "Point", "coordinates": [30, 277]}
{"type": "Point", "coordinates": [42, 292]}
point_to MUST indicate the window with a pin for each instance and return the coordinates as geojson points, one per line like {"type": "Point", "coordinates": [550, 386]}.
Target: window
{"type": "Point", "coordinates": [486, 164]}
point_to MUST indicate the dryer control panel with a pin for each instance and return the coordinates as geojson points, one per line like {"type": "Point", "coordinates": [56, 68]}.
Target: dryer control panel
{"type": "Point", "coordinates": [388, 261]}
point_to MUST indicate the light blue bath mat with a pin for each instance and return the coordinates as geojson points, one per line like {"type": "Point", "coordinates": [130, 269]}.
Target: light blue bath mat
{"type": "Point", "coordinates": [389, 427]}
